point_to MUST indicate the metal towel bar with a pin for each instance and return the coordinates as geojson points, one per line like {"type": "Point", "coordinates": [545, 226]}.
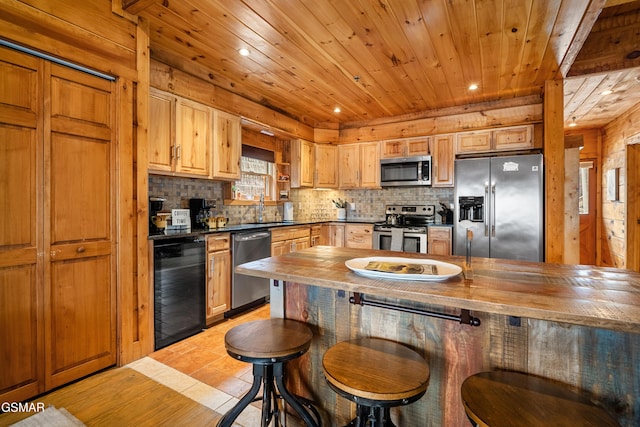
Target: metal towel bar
{"type": "Point", "coordinates": [465, 316]}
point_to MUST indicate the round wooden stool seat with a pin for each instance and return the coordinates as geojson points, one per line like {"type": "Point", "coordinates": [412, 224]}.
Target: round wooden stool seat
{"type": "Point", "coordinates": [268, 344]}
{"type": "Point", "coordinates": [375, 373]}
{"type": "Point", "coordinates": [501, 399]}
{"type": "Point", "coordinates": [268, 341]}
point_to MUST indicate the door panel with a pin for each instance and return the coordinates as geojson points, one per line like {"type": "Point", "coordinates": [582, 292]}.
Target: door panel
{"type": "Point", "coordinates": [588, 212]}
{"type": "Point", "coordinates": [81, 335]}
{"type": "Point", "coordinates": [79, 234]}
{"type": "Point", "coordinates": [21, 204]}
{"type": "Point", "coordinates": [80, 188]}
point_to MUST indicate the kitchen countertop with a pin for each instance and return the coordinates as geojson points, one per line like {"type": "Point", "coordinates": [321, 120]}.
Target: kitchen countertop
{"type": "Point", "coordinates": [576, 294]}
{"type": "Point", "coordinates": [265, 225]}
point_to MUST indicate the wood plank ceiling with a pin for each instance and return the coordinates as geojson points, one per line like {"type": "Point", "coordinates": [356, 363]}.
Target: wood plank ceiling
{"type": "Point", "coordinates": [381, 59]}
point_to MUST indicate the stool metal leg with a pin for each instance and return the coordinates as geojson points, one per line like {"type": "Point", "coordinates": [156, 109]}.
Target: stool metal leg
{"type": "Point", "coordinates": [228, 419]}
{"type": "Point", "coordinates": [278, 371]}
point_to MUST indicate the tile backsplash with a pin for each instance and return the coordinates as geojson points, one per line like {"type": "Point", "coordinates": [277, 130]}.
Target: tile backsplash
{"type": "Point", "coordinates": [308, 204]}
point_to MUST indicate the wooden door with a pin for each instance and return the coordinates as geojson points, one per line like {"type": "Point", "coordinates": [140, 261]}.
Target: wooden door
{"type": "Point", "coordinates": [80, 292]}
{"type": "Point", "coordinates": [21, 242]}
{"type": "Point", "coordinates": [193, 138]}
{"type": "Point", "coordinates": [162, 116]}
{"type": "Point", "coordinates": [218, 283]}
{"type": "Point", "coordinates": [326, 166]}
{"type": "Point", "coordinates": [369, 165]}
{"type": "Point", "coordinates": [443, 157]}
{"type": "Point", "coordinates": [227, 146]}
{"type": "Point", "coordinates": [588, 212]}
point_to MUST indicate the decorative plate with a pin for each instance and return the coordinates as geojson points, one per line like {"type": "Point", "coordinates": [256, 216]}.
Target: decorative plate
{"type": "Point", "coordinates": [402, 268]}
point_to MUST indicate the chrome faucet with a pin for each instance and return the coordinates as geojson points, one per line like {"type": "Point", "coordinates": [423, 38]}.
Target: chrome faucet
{"type": "Point", "coordinates": [261, 208]}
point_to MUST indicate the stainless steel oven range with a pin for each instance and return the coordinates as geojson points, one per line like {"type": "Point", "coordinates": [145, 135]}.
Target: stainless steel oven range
{"type": "Point", "coordinates": [404, 229]}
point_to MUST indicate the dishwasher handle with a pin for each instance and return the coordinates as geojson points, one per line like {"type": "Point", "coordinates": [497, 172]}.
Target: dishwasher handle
{"type": "Point", "coordinates": [245, 237]}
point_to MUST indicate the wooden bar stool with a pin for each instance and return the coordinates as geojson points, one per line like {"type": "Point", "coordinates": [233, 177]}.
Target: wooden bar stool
{"type": "Point", "coordinates": [501, 399]}
{"type": "Point", "coordinates": [268, 344]}
{"type": "Point", "coordinates": [377, 375]}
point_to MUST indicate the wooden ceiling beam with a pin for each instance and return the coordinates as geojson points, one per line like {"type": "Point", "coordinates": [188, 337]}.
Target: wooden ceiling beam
{"type": "Point", "coordinates": [612, 45]}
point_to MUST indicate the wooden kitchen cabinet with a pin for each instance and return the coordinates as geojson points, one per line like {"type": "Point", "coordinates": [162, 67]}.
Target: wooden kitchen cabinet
{"type": "Point", "coordinates": [289, 239]}
{"type": "Point", "coordinates": [326, 167]}
{"type": "Point", "coordinates": [439, 240]}
{"type": "Point", "coordinates": [316, 230]}
{"type": "Point", "coordinates": [404, 147]}
{"type": "Point", "coordinates": [179, 136]}
{"type": "Point", "coordinates": [332, 234]}
{"type": "Point", "coordinates": [162, 130]}
{"type": "Point", "coordinates": [442, 160]}
{"type": "Point", "coordinates": [193, 138]}
{"type": "Point", "coordinates": [359, 165]}
{"type": "Point", "coordinates": [57, 242]}
{"type": "Point", "coordinates": [358, 236]}
{"type": "Point", "coordinates": [227, 146]}
{"type": "Point", "coordinates": [503, 139]}
{"type": "Point", "coordinates": [302, 163]}
{"type": "Point", "coordinates": [513, 138]}
{"type": "Point", "coordinates": [218, 276]}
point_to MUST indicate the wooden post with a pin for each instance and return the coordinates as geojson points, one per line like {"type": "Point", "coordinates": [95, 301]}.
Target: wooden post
{"type": "Point", "coordinates": [553, 115]}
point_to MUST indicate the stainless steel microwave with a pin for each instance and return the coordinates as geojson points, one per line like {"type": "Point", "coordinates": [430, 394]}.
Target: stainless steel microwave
{"type": "Point", "coordinates": [405, 171]}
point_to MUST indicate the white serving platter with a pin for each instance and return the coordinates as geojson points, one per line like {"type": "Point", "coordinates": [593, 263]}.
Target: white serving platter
{"type": "Point", "coordinates": [444, 269]}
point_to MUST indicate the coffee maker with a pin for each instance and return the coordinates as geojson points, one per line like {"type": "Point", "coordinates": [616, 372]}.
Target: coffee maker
{"type": "Point", "coordinates": [200, 209]}
{"type": "Point", "coordinates": [155, 206]}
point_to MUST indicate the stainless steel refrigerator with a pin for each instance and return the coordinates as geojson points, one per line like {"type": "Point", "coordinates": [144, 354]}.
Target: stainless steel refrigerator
{"type": "Point", "coordinates": [500, 199]}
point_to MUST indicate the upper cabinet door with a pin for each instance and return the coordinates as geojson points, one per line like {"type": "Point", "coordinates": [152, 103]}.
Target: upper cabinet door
{"type": "Point", "coordinates": [349, 166]}
{"type": "Point", "coordinates": [227, 146]}
{"type": "Point", "coordinates": [302, 163]}
{"type": "Point", "coordinates": [326, 166]}
{"type": "Point", "coordinates": [162, 119]}
{"type": "Point", "coordinates": [369, 165]}
{"type": "Point", "coordinates": [443, 157]}
{"type": "Point", "coordinates": [193, 138]}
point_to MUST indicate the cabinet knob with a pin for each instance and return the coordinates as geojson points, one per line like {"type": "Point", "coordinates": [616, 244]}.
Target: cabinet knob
{"type": "Point", "coordinates": [81, 249]}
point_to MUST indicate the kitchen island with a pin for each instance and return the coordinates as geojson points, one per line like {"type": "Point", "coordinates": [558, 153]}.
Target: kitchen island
{"type": "Point", "coordinates": [576, 324]}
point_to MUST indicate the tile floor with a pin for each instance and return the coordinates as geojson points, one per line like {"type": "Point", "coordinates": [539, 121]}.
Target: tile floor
{"type": "Point", "coordinates": [200, 368]}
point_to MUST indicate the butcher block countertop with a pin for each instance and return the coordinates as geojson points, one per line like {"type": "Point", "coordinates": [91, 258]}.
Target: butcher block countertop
{"type": "Point", "coordinates": [584, 295]}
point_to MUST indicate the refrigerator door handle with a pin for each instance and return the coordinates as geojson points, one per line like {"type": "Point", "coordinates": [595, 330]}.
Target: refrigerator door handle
{"type": "Point", "coordinates": [484, 214]}
{"type": "Point", "coordinates": [493, 209]}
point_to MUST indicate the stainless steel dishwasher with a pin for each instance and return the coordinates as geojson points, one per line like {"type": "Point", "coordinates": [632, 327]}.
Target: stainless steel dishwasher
{"type": "Point", "coordinates": [249, 291]}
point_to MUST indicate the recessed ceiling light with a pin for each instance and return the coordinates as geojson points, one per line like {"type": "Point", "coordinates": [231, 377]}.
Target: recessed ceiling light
{"type": "Point", "coordinates": [244, 51]}
{"type": "Point", "coordinates": [336, 110]}
{"type": "Point", "coordinates": [473, 86]}
{"type": "Point", "coordinates": [606, 92]}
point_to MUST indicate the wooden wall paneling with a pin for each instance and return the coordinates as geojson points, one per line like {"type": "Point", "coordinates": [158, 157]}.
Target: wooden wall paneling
{"type": "Point", "coordinates": [615, 213]}
{"type": "Point", "coordinates": [126, 220]}
{"type": "Point", "coordinates": [554, 171]}
{"type": "Point", "coordinates": [141, 307]}
{"type": "Point", "coordinates": [446, 121]}
{"type": "Point", "coordinates": [74, 36]}
{"type": "Point", "coordinates": [172, 80]}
